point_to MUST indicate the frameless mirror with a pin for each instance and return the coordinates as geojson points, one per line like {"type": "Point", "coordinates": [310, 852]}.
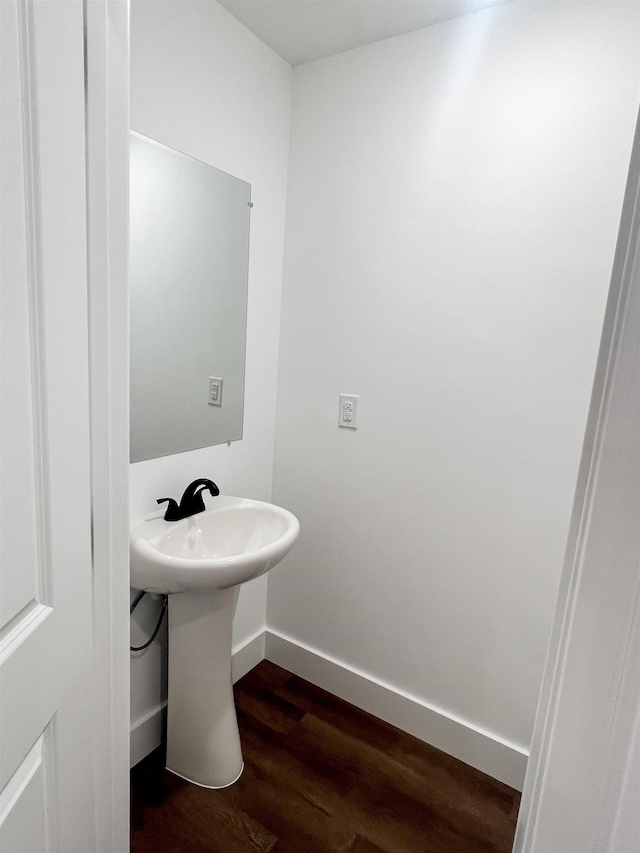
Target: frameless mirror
{"type": "Point", "coordinates": [188, 270]}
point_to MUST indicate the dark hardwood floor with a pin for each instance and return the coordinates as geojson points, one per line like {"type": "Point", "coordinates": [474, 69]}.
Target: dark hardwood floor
{"type": "Point", "coordinates": [320, 775]}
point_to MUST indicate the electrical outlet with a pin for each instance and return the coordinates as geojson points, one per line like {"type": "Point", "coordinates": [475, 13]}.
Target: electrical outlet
{"type": "Point", "coordinates": [348, 412]}
{"type": "Point", "coordinates": [215, 391]}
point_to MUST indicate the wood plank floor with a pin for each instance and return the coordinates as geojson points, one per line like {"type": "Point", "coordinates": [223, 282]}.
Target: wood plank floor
{"type": "Point", "coordinates": [321, 775]}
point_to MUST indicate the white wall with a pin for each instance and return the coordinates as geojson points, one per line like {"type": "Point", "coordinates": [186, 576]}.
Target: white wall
{"type": "Point", "coordinates": [454, 199]}
{"type": "Point", "coordinates": [201, 83]}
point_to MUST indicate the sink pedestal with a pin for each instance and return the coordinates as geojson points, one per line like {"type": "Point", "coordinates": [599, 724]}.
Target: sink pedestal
{"type": "Point", "coordinates": [203, 742]}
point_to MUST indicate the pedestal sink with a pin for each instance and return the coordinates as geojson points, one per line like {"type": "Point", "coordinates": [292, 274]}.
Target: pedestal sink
{"type": "Point", "coordinates": [200, 562]}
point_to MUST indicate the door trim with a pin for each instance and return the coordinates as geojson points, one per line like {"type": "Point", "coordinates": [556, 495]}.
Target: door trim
{"type": "Point", "coordinates": [107, 141]}
{"type": "Point", "coordinates": [590, 692]}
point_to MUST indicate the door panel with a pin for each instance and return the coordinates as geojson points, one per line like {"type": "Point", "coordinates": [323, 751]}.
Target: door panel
{"type": "Point", "coordinates": [23, 805]}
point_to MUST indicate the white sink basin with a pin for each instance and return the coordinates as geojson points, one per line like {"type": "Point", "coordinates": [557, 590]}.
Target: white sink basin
{"type": "Point", "coordinates": [200, 562]}
{"type": "Point", "coordinates": [237, 539]}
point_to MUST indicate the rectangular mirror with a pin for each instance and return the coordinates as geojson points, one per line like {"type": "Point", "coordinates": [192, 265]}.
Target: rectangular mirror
{"type": "Point", "coordinates": [188, 269]}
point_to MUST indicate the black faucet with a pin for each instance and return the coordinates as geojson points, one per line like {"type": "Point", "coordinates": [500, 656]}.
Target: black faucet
{"type": "Point", "coordinates": [191, 502]}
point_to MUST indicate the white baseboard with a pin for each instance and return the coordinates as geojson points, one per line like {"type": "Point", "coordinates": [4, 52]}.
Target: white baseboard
{"type": "Point", "coordinates": [247, 655]}
{"type": "Point", "coordinates": [146, 732]}
{"type": "Point", "coordinates": [480, 749]}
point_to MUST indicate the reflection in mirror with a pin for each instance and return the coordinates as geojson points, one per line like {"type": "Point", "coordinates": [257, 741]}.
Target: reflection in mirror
{"type": "Point", "coordinates": [188, 271]}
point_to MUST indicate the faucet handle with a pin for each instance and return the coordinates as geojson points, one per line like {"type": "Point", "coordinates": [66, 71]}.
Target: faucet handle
{"type": "Point", "coordinates": [173, 510]}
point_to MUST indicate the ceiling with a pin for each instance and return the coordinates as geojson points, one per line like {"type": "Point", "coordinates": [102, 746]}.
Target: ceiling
{"type": "Point", "coordinates": [303, 30]}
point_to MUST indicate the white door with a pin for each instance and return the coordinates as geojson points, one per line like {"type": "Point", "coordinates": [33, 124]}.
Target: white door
{"type": "Point", "coordinates": [46, 651]}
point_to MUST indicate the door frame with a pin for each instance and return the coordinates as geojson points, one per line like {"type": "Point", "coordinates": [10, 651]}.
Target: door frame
{"type": "Point", "coordinates": [579, 788]}
{"type": "Point", "coordinates": [107, 147]}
